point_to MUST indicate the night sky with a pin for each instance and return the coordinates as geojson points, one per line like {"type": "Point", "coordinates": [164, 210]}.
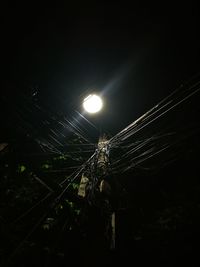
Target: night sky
{"type": "Point", "coordinates": [133, 55]}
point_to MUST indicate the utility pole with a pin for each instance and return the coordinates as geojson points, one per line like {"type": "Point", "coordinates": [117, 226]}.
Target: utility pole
{"type": "Point", "coordinates": [95, 186]}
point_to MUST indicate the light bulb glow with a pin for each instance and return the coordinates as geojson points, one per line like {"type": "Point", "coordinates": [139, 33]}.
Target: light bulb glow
{"type": "Point", "coordinates": [92, 103]}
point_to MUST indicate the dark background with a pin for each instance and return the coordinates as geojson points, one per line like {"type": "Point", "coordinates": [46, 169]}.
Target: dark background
{"type": "Point", "coordinates": [133, 56]}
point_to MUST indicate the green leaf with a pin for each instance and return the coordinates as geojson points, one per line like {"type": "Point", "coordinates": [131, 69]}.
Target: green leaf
{"type": "Point", "coordinates": [71, 204]}
{"type": "Point", "coordinates": [75, 186]}
{"type": "Point", "coordinates": [45, 166]}
{"type": "Point", "coordinates": [77, 211]}
{"type": "Point", "coordinates": [21, 168]}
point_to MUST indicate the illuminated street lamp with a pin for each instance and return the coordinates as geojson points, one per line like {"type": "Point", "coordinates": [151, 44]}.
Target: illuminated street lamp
{"type": "Point", "coordinates": [92, 103]}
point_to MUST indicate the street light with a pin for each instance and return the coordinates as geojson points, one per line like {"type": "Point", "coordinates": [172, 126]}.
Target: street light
{"type": "Point", "coordinates": [92, 103]}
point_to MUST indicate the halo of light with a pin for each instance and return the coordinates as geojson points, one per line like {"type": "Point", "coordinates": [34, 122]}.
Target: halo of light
{"type": "Point", "coordinates": [92, 103]}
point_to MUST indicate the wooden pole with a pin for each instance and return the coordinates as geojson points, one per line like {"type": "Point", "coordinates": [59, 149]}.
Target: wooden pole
{"type": "Point", "coordinates": [112, 245]}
